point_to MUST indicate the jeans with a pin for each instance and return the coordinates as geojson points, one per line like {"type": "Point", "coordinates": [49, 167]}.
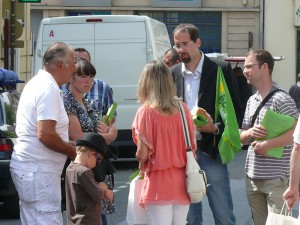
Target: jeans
{"type": "Point", "coordinates": [218, 192]}
{"type": "Point", "coordinates": [104, 219]}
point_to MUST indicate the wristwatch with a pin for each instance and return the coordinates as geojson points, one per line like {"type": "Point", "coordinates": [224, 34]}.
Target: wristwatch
{"type": "Point", "coordinates": [217, 131]}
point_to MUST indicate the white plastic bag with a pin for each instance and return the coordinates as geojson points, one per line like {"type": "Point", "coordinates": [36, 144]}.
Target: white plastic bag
{"type": "Point", "coordinates": [136, 215]}
{"type": "Point", "coordinates": [284, 218]}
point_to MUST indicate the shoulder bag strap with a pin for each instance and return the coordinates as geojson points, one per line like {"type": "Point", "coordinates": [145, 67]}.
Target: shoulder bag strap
{"type": "Point", "coordinates": [262, 104]}
{"type": "Point", "coordinates": [185, 127]}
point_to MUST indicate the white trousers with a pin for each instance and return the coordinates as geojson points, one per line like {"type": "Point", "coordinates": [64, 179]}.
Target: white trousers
{"type": "Point", "coordinates": [40, 197]}
{"type": "Point", "coordinates": [166, 214]}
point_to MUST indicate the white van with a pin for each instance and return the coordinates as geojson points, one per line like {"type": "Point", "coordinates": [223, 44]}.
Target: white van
{"type": "Point", "coordinates": [120, 46]}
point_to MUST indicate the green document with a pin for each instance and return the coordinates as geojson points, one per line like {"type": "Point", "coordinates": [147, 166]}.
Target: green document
{"type": "Point", "coordinates": [110, 113]}
{"type": "Point", "coordinates": [276, 124]}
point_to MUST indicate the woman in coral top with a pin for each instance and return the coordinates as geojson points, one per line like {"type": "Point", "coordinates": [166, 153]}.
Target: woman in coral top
{"type": "Point", "coordinates": [158, 132]}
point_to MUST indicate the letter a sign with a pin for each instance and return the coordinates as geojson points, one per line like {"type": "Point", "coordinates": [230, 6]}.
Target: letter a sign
{"type": "Point", "coordinates": [51, 34]}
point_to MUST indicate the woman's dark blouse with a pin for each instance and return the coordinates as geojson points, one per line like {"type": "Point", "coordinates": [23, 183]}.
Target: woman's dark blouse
{"type": "Point", "coordinates": [87, 118]}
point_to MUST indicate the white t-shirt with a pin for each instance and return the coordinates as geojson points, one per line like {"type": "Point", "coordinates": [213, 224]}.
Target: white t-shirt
{"type": "Point", "coordinates": [41, 99]}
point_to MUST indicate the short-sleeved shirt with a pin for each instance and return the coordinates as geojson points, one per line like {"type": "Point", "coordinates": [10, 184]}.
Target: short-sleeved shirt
{"type": "Point", "coordinates": [83, 196]}
{"type": "Point", "coordinates": [41, 99]}
{"type": "Point", "coordinates": [166, 164]}
{"type": "Point", "coordinates": [267, 167]}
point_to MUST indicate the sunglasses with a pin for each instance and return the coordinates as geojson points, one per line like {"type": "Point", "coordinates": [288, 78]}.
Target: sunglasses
{"type": "Point", "coordinates": [97, 156]}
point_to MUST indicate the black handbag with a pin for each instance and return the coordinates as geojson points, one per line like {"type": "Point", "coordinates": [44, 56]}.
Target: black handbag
{"type": "Point", "coordinates": [103, 168]}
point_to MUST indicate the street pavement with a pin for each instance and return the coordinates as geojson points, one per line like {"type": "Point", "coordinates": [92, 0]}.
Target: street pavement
{"type": "Point", "coordinates": [242, 210]}
{"type": "Point", "coordinates": [237, 174]}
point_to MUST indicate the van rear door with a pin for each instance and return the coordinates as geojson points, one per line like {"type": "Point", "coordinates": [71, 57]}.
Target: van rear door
{"type": "Point", "coordinates": [76, 35]}
{"type": "Point", "coordinates": [119, 58]}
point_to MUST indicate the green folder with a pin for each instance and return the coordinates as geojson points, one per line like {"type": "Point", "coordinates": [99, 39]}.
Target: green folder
{"type": "Point", "coordinates": [276, 124]}
{"type": "Point", "coordinates": [110, 113]}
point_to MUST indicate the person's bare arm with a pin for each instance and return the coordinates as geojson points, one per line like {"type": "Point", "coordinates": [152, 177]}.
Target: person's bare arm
{"type": "Point", "coordinates": [75, 131]}
{"type": "Point", "coordinates": [257, 131]}
{"type": "Point", "coordinates": [109, 132]}
{"type": "Point", "coordinates": [47, 134]}
{"type": "Point", "coordinates": [107, 194]}
{"type": "Point", "coordinates": [291, 195]}
{"type": "Point", "coordinates": [142, 151]}
{"type": "Point", "coordinates": [262, 147]}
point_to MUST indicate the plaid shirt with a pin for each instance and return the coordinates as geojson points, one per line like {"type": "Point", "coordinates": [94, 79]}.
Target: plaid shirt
{"type": "Point", "coordinates": [102, 95]}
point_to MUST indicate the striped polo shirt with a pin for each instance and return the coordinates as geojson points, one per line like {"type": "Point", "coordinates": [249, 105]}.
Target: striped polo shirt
{"type": "Point", "coordinates": [266, 167]}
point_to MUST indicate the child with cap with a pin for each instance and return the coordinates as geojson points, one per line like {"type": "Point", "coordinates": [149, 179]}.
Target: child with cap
{"type": "Point", "coordinates": [83, 194]}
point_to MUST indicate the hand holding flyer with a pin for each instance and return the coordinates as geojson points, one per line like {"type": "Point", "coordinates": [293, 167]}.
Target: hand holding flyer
{"type": "Point", "coordinates": [276, 124]}
{"type": "Point", "coordinates": [199, 116]}
{"type": "Point", "coordinates": [110, 113]}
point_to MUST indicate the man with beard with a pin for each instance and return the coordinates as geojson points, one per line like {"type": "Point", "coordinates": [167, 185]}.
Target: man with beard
{"type": "Point", "coordinates": [195, 79]}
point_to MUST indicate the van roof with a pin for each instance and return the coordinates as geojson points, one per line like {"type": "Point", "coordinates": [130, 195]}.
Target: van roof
{"type": "Point", "coordinates": [95, 18]}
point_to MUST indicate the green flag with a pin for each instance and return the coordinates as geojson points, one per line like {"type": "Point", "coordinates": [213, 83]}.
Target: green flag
{"type": "Point", "coordinates": [230, 142]}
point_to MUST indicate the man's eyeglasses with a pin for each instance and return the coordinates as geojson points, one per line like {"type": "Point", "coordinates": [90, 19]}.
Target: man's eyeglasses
{"type": "Point", "coordinates": [182, 45]}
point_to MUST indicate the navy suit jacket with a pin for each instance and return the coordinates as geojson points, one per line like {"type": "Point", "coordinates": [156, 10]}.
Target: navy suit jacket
{"type": "Point", "coordinates": [207, 96]}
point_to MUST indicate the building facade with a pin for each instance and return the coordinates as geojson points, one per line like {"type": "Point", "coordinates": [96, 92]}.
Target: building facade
{"type": "Point", "coordinates": [224, 26]}
{"type": "Point", "coordinates": [230, 26]}
{"type": "Point", "coordinates": [20, 61]}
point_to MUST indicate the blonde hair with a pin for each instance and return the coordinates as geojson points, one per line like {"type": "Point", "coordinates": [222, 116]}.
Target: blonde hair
{"type": "Point", "coordinates": [156, 87]}
{"type": "Point", "coordinates": [82, 149]}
